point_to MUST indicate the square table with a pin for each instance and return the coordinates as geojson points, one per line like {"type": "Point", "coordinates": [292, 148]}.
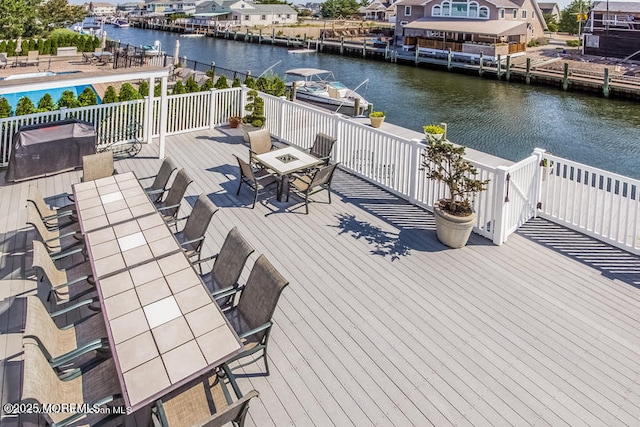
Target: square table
{"type": "Point", "coordinates": [109, 201]}
{"type": "Point", "coordinates": [164, 328]}
{"type": "Point", "coordinates": [285, 161]}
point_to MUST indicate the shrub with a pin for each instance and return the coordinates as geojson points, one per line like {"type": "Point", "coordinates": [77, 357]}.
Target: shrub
{"type": "Point", "coordinates": [128, 93]}
{"type": "Point", "coordinates": [236, 82]}
{"type": "Point", "coordinates": [207, 85]}
{"type": "Point", "coordinates": [192, 85]}
{"type": "Point", "coordinates": [110, 95]}
{"type": "Point", "coordinates": [68, 99]}
{"type": "Point", "coordinates": [271, 84]}
{"type": "Point", "coordinates": [377, 114]}
{"type": "Point", "coordinates": [179, 88]}
{"type": "Point", "coordinates": [574, 43]}
{"type": "Point", "coordinates": [87, 97]}
{"type": "Point", "coordinates": [434, 129]}
{"type": "Point", "coordinates": [46, 103]}
{"type": "Point", "coordinates": [25, 106]}
{"type": "Point", "coordinates": [255, 108]}
{"type": "Point", "coordinates": [5, 108]}
{"type": "Point", "coordinates": [143, 88]}
{"type": "Point", "coordinates": [221, 82]}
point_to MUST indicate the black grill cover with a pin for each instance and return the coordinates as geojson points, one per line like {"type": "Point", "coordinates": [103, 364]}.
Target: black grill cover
{"type": "Point", "coordinates": [49, 148]}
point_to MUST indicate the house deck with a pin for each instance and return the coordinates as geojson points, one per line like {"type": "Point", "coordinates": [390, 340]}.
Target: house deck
{"type": "Point", "coordinates": [383, 325]}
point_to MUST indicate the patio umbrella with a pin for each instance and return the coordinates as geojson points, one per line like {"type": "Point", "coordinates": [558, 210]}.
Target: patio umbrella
{"type": "Point", "coordinates": [18, 48]}
{"type": "Point", "coordinates": [176, 51]}
{"type": "Point", "coordinates": [103, 43]}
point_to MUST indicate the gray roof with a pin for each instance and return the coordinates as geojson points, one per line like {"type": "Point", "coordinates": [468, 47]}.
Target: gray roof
{"type": "Point", "coordinates": [617, 6]}
{"type": "Point", "coordinates": [483, 26]}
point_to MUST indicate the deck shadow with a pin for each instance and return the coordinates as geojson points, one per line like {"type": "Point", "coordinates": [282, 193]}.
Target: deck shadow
{"type": "Point", "coordinates": [611, 262]}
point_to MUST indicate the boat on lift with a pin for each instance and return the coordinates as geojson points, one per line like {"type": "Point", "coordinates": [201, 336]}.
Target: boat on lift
{"type": "Point", "coordinates": [121, 23]}
{"type": "Point", "coordinates": [321, 87]}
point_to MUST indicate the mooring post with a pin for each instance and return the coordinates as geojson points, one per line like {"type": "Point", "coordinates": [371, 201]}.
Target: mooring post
{"type": "Point", "coordinates": [386, 51]}
{"type": "Point", "coordinates": [273, 35]}
{"type": "Point", "coordinates": [449, 57]}
{"type": "Point", "coordinates": [417, 55]}
{"type": "Point", "coordinates": [481, 60]}
{"type": "Point", "coordinates": [565, 78]}
{"type": "Point", "coordinates": [508, 73]}
{"type": "Point", "coordinates": [341, 45]}
{"type": "Point", "coordinates": [499, 66]}
{"type": "Point", "coordinates": [528, 75]}
{"type": "Point", "coordinates": [605, 85]}
{"type": "Point", "coordinates": [260, 36]}
{"type": "Point", "coordinates": [364, 48]}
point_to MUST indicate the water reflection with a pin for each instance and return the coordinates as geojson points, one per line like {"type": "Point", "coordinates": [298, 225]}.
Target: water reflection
{"type": "Point", "coordinates": [505, 119]}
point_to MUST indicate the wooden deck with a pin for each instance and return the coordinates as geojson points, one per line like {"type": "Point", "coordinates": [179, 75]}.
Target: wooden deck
{"type": "Point", "coordinates": [383, 325]}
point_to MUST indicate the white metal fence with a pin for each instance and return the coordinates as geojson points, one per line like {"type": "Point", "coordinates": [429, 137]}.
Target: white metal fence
{"type": "Point", "coordinates": [595, 202]}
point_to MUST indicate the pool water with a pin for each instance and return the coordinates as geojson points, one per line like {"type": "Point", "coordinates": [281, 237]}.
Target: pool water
{"type": "Point", "coordinates": [36, 95]}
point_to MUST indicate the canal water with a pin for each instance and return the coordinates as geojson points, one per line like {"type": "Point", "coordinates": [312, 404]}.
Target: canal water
{"type": "Point", "coordinates": [504, 119]}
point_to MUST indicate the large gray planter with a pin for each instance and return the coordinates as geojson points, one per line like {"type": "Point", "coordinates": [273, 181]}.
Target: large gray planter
{"type": "Point", "coordinates": [453, 231]}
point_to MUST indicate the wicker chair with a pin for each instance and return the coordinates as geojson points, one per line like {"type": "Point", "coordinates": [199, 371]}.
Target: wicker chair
{"type": "Point", "coordinates": [257, 180]}
{"type": "Point", "coordinates": [74, 344]}
{"type": "Point", "coordinates": [51, 217]}
{"type": "Point", "coordinates": [96, 166]}
{"type": "Point", "coordinates": [98, 386]}
{"type": "Point", "coordinates": [3, 61]}
{"type": "Point", "coordinates": [318, 180]}
{"type": "Point", "coordinates": [171, 205]}
{"type": "Point", "coordinates": [159, 186]}
{"type": "Point", "coordinates": [227, 267]}
{"type": "Point", "coordinates": [65, 285]}
{"type": "Point", "coordinates": [322, 147]}
{"type": "Point", "coordinates": [192, 235]}
{"type": "Point", "coordinates": [205, 401]}
{"type": "Point", "coordinates": [59, 242]}
{"type": "Point", "coordinates": [251, 316]}
{"type": "Point", "coordinates": [33, 58]}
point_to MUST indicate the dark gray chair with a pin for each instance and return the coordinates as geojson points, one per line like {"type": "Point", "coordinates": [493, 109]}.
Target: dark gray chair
{"type": "Point", "coordinates": [314, 182]}
{"type": "Point", "coordinates": [160, 180]}
{"type": "Point", "coordinates": [192, 235]}
{"type": "Point", "coordinates": [256, 180]}
{"type": "Point", "coordinates": [251, 316]}
{"type": "Point", "coordinates": [322, 147]}
{"type": "Point", "coordinates": [227, 267]}
{"type": "Point", "coordinates": [170, 207]}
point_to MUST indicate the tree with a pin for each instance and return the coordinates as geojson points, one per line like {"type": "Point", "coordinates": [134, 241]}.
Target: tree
{"type": "Point", "coordinates": [552, 23]}
{"type": "Point", "coordinates": [60, 14]}
{"type": "Point", "coordinates": [25, 106]}
{"type": "Point", "coordinates": [221, 82]}
{"type": "Point", "coordinates": [46, 103]}
{"type": "Point", "coordinates": [192, 85]}
{"type": "Point", "coordinates": [336, 8]}
{"type": "Point", "coordinates": [207, 85]}
{"type": "Point", "coordinates": [179, 88]}
{"type": "Point", "coordinates": [128, 93]}
{"type": "Point", "coordinates": [87, 97]}
{"type": "Point", "coordinates": [68, 99]}
{"type": "Point", "coordinates": [19, 18]}
{"type": "Point", "coordinates": [5, 108]}
{"type": "Point", "coordinates": [143, 88]}
{"type": "Point", "coordinates": [569, 16]}
{"type": "Point", "coordinates": [236, 82]}
{"type": "Point", "coordinates": [110, 95]}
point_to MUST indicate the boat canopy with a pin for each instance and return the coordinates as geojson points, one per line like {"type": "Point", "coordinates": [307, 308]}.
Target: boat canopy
{"type": "Point", "coordinates": [307, 72]}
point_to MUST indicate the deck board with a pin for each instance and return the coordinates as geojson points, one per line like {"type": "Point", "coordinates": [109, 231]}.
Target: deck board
{"type": "Point", "coordinates": [381, 324]}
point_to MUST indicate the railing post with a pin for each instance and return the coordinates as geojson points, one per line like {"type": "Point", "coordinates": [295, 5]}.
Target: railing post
{"type": "Point", "coordinates": [337, 151]}
{"type": "Point", "coordinates": [414, 169]}
{"type": "Point", "coordinates": [213, 103]}
{"type": "Point", "coordinates": [164, 105]}
{"type": "Point", "coordinates": [63, 113]}
{"type": "Point", "coordinates": [148, 117]}
{"type": "Point", "coordinates": [500, 206]}
{"type": "Point", "coordinates": [539, 153]}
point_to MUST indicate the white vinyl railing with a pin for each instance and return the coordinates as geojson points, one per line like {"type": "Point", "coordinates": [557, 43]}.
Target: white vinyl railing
{"type": "Point", "coordinates": [592, 201]}
{"type": "Point", "coordinates": [598, 203]}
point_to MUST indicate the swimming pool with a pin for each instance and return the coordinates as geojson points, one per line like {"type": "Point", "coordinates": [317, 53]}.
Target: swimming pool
{"type": "Point", "coordinates": [35, 95]}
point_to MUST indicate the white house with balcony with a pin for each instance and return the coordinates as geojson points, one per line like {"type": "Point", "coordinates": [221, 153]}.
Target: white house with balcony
{"type": "Point", "coordinates": [102, 9]}
{"type": "Point", "coordinates": [246, 13]}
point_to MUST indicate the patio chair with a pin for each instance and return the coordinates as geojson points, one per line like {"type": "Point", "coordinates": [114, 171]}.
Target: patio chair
{"type": "Point", "coordinates": [97, 386]}
{"type": "Point", "coordinates": [204, 402]}
{"type": "Point", "coordinates": [316, 181]}
{"type": "Point", "coordinates": [59, 242]}
{"type": "Point", "coordinates": [33, 58]}
{"type": "Point", "coordinates": [96, 166]}
{"type": "Point", "coordinates": [322, 147]}
{"type": "Point", "coordinates": [52, 217]}
{"type": "Point", "coordinates": [171, 205]}
{"type": "Point", "coordinates": [69, 347]}
{"type": "Point", "coordinates": [192, 235]}
{"type": "Point", "coordinates": [65, 285]}
{"type": "Point", "coordinates": [160, 180]}
{"type": "Point", "coordinates": [259, 142]}
{"type": "Point", "coordinates": [227, 267]}
{"type": "Point", "coordinates": [3, 61]}
{"type": "Point", "coordinates": [89, 58]}
{"type": "Point", "coordinates": [257, 180]}
{"type": "Point", "coordinates": [251, 316]}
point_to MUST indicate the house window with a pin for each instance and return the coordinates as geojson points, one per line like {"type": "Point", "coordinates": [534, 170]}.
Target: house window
{"type": "Point", "coordinates": [436, 11]}
{"type": "Point", "coordinates": [515, 13]}
{"type": "Point", "coordinates": [403, 23]}
{"type": "Point", "coordinates": [524, 14]}
{"type": "Point", "coordinates": [446, 8]}
{"type": "Point", "coordinates": [288, 16]}
{"type": "Point", "coordinates": [407, 11]}
{"type": "Point", "coordinates": [483, 12]}
{"type": "Point", "coordinates": [473, 10]}
{"type": "Point", "coordinates": [501, 13]}
{"type": "Point", "coordinates": [458, 8]}
{"type": "Point", "coordinates": [263, 17]}
{"type": "Point", "coordinates": [247, 18]}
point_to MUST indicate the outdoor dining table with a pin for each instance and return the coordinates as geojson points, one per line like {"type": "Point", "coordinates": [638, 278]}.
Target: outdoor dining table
{"type": "Point", "coordinates": [284, 162]}
{"type": "Point", "coordinates": [163, 326]}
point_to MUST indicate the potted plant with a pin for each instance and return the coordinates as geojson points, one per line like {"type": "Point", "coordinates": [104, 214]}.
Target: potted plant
{"type": "Point", "coordinates": [377, 118]}
{"type": "Point", "coordinates": [234, 121]}
{"type": "Point", "coordinates": [454, 215]}
{"type": "Point", "coordinates": [434, 132]}
{"type": "Point", "coordinates": [255, 119]}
